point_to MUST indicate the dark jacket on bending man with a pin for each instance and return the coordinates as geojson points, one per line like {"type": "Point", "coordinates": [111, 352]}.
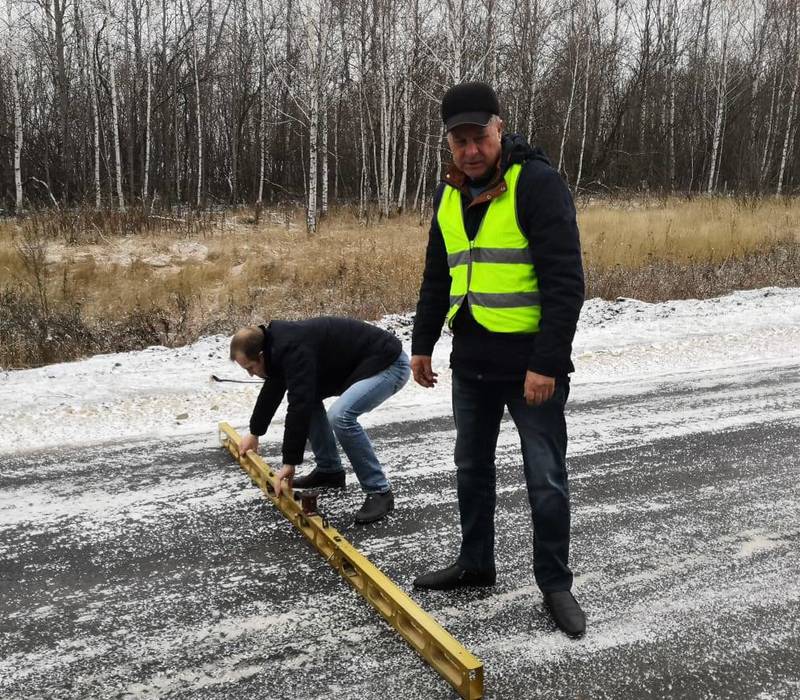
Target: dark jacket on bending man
{"type": "Point", "coordinates": [308, 361]}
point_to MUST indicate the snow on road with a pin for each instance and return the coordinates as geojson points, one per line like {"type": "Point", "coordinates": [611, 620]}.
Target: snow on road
{"type": "Point", "coordinates": [150, 568]}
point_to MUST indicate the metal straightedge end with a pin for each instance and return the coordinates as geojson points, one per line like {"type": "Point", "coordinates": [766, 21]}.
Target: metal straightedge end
{"type": "Point", "coordinates": [455, 664]}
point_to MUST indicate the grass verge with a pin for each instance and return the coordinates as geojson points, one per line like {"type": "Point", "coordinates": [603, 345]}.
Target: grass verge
{"type": "Point", "coordinates": [84, 282]}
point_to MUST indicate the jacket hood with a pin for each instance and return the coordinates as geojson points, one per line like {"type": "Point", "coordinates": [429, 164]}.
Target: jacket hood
{"type": "Point", "coordinates": [516, 150]}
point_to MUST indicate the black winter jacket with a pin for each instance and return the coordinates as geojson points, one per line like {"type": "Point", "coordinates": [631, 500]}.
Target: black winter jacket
{"type": "Point", "coordinates": [546, 214]}
{"type": "Point", "coordinates": [311, 360]}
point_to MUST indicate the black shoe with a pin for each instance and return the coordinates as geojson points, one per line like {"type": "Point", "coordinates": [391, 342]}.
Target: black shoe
{"type": "Point", "coordinates": [454, 576]}
{"type": "Point", "coordinates": [376, 506]}
{"type": "Point", "coordinates": [566, 613]}
{"type": "Point", "coordinates": [319, 479]}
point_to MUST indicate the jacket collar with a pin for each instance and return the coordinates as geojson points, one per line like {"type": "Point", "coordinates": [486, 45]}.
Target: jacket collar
{"type": "Point", "coordinates": [266, 347]}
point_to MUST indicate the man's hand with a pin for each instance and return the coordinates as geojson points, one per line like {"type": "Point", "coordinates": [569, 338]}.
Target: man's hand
{"type": "Point", "coordinates": [248, 442]}
{"type": "Point", "coordinates": [422, 371]}
{"type": "Point", "coordinates": [285, 473]}
{"type": "Point", "coordinates": [538, 388]}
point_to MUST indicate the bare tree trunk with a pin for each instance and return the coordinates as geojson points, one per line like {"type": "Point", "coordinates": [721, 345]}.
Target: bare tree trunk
{"type": "Point", "coordinates": [585, 112]}
{"type": "Point", "coordinates": [456, 24]}
{"type": "Point", "coordinates": [673, 66]}
{"type": "Point", "coordinates": [766, 158]}
{"type": "Point", "coordinates": [422, 176]}
{"type": "Point", "coordinates": [336, 146]}
{"type": "Point", "coordinates": [722, 89]}
{"type": "Point", "coordinates": [95, 110]}
{"type": "Point", "coordinates": [17, 141]}
{"type": "Point", "coordinates": [569, 110]}
{"type": "Point", "coordinates": [115, 118]}
{"type": "Point", "coordinates": [262, 122]}
{"type": "Point", "coordinates": [788, 138]}
{"type": "Point", "coordinates": [12, 55]}
{"type": "Point", "coordinates": [198, 109]}
{"type": "Point", "coordinates": [401, 196]}
{"type": "Point", "coordinates": [311, 206]}
{"type": "Point", "coordinates": [324, 124]}
{"type": "Point", "coordinates": [146, 173]}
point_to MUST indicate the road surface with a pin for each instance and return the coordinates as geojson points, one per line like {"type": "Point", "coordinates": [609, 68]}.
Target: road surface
{"type": "Point", "coordinates": [150, 569]}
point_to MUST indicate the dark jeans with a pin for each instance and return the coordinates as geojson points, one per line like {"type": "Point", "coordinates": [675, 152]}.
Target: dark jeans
{"type": "Point", "coordinates": [478, 408]}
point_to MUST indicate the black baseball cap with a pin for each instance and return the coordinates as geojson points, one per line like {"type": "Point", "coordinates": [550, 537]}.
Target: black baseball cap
{"type": "Point", "coordinates": [469, 103]}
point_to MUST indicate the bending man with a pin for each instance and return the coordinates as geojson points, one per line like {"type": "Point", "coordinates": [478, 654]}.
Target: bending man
{"type": "Point", "coordinates": [312, 360]}
{"type": "Point", "coordinates": [503, 268]}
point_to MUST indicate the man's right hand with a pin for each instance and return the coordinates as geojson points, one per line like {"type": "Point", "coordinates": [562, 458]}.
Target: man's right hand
{"type": "Point", "coordinates": [248, 442]}
{"type": "Point", "coordinates": [422, 371]}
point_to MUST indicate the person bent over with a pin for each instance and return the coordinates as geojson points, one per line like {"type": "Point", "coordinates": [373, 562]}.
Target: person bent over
{"type": "Point", "coordinates": [309, 361]}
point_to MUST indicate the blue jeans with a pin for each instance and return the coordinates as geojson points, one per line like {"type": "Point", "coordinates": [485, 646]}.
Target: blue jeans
{"type": "Point", "coordinates": [478, 409]}
{"type": "Point", "coordinates": [341, 419]}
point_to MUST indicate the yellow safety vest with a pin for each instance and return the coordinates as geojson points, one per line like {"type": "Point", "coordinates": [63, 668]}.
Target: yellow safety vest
{"type": "Point", "coordinates": [494, 271]}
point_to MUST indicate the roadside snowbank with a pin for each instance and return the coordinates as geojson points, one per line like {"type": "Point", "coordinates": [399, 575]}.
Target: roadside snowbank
{"type": "Point", "coordinates": [163, 393]}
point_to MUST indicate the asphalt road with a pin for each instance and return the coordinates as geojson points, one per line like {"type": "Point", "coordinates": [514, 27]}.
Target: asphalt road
{"type": "Point", "coordinates": [158, 570]}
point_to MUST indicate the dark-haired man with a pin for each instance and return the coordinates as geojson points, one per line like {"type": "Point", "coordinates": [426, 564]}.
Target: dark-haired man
{"type": "Point", "coordinates": [312, 360]}
{"type": "Point", "coordinates": [503, 269]}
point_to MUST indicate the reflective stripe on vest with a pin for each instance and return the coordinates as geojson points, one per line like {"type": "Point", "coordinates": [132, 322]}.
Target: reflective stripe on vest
{"type": "Point", "coordinates": [494, 272]}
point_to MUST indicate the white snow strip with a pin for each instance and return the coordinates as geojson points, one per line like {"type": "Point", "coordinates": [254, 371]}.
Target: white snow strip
{"type": "Point", "coordinates": [624, 346]}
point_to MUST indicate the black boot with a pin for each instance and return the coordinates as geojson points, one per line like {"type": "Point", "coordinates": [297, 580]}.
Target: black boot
{"type": "Point", "coordinates": [376, 506]}
{"type": "Point", "coordinates": [566, 613]}
{"type": "Point", "coordinates": [319, 479]}
{"type": "Point", "coordinates": [455, 576]}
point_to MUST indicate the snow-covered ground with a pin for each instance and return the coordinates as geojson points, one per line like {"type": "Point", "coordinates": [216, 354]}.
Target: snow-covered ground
{"type": "Point", "coordinates": [624, 345]}
{"type": "Point", "coordinates": [156, 569]}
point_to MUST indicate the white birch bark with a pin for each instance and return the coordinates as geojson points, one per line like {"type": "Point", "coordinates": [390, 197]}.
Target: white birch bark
{"type": "Point", "coordinates": [790, 126]}
{"type": "Point", "coordinates": [422, 176]}
{"type": "Point", "coordinates": [115, 118]}
{"type": "Point", "coordinates": [262, 121]}
{"type": "Point", "coordinates": [567, 116]}
{"type": "Point", "coordinates": [671, 87]}
{"type": "Point", "coordinates": [324, 129]}
{"type": "Point", "coordinates": [363, 184]}
{"type": "Point", "coordinates": [585, 112]}
{"type": "Point", "coordinates": [719, 110]}
{"type": "Point", "coordinates": [146, 174]}
{"type": "Point", "coordinates": [401, 195]}
{"type": "Point", "coordinates": [766, 156]}
{"type": "Point", "coordinates": [311, 204]}
{"type": "Point", "coordinates": [456, 35]}
{"type": "Point", "coordinates": [18, 205]}
{"type": "Point", "coordinates": [198, 108]}
{"type": "Point", "coordinates": [14, 72]}
{"type": "Point", "coordinates": [95, 110]}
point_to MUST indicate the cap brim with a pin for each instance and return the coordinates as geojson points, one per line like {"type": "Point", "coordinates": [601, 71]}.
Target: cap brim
{"type": "Point", "coordinates": [475, 118]}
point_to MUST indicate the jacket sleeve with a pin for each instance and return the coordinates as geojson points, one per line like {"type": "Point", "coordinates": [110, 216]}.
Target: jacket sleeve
{"type": "Point", "coordinates": [434, 293]}
{"type": "Point", "coordinates": [269, 398]}
{"type": "Point", "coordinates": [547, 215]}
{"type": "Point", "coordinates": [301, 386]}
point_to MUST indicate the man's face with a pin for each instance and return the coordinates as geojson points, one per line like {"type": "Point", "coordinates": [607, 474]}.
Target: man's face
{"type": "Point", "coordinates": [476, 149]}
{"type": "Point", "coordinates": [252, 367]}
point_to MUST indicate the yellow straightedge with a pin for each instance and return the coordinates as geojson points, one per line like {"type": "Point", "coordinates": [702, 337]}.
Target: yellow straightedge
{"type": "Point", "coordinates": [427, 637]}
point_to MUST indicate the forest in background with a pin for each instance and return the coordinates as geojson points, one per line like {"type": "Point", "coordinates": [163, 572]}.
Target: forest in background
{"type": "Point", "coordinates": [210, 103]}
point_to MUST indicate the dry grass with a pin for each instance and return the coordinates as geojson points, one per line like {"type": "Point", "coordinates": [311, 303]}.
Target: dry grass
{"type": "Point", "coordinates": [170, 282]}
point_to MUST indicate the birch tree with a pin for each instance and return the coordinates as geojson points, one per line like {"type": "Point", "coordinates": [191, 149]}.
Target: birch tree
{"type": "Point", "coordinates": [721, 94]}
{"type": "Point", "coordinates": [115, 125]}
{"type": "Point", "coordinates": [11, 52]}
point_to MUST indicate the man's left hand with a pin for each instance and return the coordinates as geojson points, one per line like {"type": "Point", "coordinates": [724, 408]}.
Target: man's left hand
{"type": "Point", "coordinates": [538, 388]}
{"type": "Point", "coordinates": [285, 474]}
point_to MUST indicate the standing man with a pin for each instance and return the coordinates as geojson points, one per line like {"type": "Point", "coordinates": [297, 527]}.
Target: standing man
{"type": "Point", "coordinates": [503, 268]}
{"type": "Point", "coordinates": [311, 360]}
